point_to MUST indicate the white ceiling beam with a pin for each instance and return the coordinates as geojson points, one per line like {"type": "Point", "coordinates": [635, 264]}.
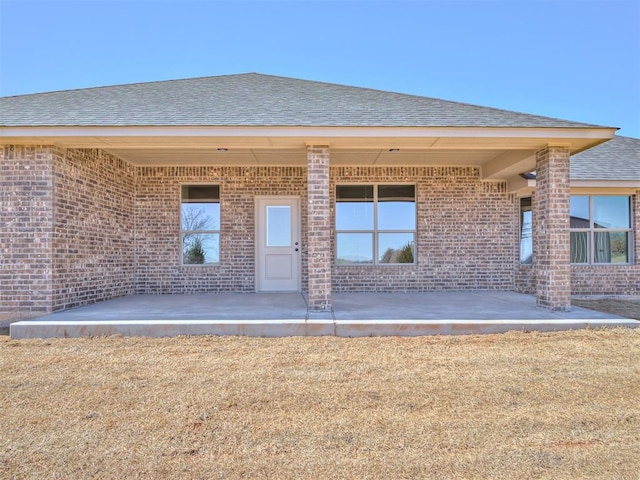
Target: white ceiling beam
{"type": "Point", "coordinates": [509, 164]}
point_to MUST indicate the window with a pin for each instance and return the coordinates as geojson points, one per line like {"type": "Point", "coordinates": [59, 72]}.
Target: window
{"type": "Point", "coordinates": [375, 224]}
{"type": "Point", "coordinates": [600, 229]}
{"type": "Point", "coordinates": [200, 224]}
{"type": "Point", "coordinates": [526, 231]}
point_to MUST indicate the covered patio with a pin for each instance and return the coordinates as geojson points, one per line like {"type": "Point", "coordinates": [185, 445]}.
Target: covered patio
{"type": "Point", "coordinates": [287, 197]}
{"type": "Point", "coordinates": [287, 314]}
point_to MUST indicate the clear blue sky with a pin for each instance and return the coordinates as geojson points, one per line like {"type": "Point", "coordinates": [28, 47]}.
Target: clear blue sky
{"type": "Point", "coordinates": [571, 59]}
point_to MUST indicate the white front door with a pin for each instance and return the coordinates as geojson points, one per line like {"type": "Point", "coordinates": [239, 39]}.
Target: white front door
{"type": "Point", "coordinates": [277, 244]}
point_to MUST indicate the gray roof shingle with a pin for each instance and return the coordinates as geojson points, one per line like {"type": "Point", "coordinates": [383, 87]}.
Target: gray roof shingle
{"type": "Point", "coordinates": [253, 99]}
{"type": "Point", "coordinates": [617, 159]}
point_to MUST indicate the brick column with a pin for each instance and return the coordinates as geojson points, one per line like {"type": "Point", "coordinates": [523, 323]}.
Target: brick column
{"type": "Point", "coordinates": [319, 228]}
{"type": "Point", "coordinates": [26, 230]}
{"type": "Point", "coordinates": [551, 246]}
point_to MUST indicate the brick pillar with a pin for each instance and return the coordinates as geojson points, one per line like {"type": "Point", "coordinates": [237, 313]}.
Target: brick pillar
{"type": "Point", "coordinates": [26, 230]}
{"type": "Point", "coordinates": [319, 228]}
{"type": "Point", "coordinates": [551, 247]}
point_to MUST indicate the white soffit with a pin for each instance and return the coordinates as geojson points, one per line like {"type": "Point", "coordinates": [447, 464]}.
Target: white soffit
{"type": "Point", "coordinates": [339, 157]}
{"type": "Point", "coordinates": [291, 137]}
{"type": "Point", "coordinates": [502, 152]}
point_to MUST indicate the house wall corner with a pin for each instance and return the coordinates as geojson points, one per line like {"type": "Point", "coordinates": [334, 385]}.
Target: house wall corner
{"type": "Point", "coordinates": [26, 230]}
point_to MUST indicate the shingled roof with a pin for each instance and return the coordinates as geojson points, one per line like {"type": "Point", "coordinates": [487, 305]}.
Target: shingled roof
{"type": "Point", "coordinates": [617, 159]}
{"type": "Point", "coordinates": [253, 99]}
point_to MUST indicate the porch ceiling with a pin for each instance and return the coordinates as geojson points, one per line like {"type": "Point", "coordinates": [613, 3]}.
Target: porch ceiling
{"type": "Point", "coordinates": [500, 152]}
{"type": "Point", "coordinates": [298, 156]}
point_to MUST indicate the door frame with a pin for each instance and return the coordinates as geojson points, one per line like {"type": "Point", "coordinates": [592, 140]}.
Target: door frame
{"type": "Point", "coordinates": [258, 222]}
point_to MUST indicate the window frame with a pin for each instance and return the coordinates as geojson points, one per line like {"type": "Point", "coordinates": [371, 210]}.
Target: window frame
{"type": "Point", "coordinates": [375, 231]}
{"type": "Point", "coordinates": [591, 231]}
{"type": "Point", "coordinates": [522, 211]}
{"type": "Point", "coordinates": [203, 231]}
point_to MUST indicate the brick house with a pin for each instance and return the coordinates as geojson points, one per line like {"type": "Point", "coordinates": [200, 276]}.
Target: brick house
{"type": "Point", "coordinates": [251, 182]}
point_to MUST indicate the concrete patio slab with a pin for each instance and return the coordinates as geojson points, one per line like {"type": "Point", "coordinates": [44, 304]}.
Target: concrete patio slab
{"type": "Point", "coordinates": [354, 315]}
{"type": "Point", "coordinates": [458, 305]}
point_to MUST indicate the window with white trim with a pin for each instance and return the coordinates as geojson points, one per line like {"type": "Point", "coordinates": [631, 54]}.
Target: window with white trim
{"type": "Point", "coordinates": [200, 224]}
{"type": "Point", "coordinates": [375, 224]}
{"type": "Point", "coordinates": [526, 231]}
{"type": "Point", "coordinates": [600, 229]}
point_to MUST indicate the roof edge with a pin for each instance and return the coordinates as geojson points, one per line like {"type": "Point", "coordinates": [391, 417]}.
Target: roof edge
{"type": "Point", "coordinates": [596, 133]}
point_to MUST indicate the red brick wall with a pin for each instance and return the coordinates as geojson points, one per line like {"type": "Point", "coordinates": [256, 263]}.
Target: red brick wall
{"type": "Point", "coordinates": [525, 278]}
{"type": "Point", "coordinates": [466, 239]}
{"type": "Point", "coordinates": [590, 279]}
{"type": "Point", "coordinates": [450, 254]}
{"type": "Point", "coordinates": [26, 229]}
{"type": "Point", "coordinates": [605, 279]}
{"type": "Point", "coordinates": [157, 210]}
{"type": "Point", "coordinates": [93, 243]}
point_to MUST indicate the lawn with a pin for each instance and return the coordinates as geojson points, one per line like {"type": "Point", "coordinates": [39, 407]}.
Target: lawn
{"type": "Point", "coordinates": [518, 405]}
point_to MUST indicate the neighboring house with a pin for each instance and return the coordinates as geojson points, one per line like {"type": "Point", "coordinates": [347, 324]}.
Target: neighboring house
{"type": "Point", "coordinates": [251, 182]}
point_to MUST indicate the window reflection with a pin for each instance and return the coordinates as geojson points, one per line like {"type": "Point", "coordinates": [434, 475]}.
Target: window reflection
{"type": "Point", "coordinates": [526, 231]}
{"type": "Point", "coordinates": [355, 248]}
{"type": "Point", "coordinates": [579, 212]}
{"type": "Point", "coordinates": [611, 247]}
{"type": "Point", "coordinates": [375, 224]}
{"type": "Point", "coordinates": [395, 248]}
{"type": "Point", "coordinates": [611, 212]}
{"type": "Point", "coordinates": [200, 224]}
{"type": "Point", "coordinates": [396, 207]}
{"type": "Point", "coordinates": [600, 229]}
{"type": "Point", "coordinates": [200, 248]}
{"type": "Point", "coordinates": [354, 207]}
{"type": "Point", "coordinates": [354, 216]}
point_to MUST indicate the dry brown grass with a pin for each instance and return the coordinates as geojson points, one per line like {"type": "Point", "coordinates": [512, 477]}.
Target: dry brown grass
{"type": "Point", "coordinates": [562, 406]}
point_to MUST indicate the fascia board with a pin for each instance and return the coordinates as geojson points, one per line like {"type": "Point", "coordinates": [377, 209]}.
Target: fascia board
{"type": "Point", "coordinates": [313, 132]}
